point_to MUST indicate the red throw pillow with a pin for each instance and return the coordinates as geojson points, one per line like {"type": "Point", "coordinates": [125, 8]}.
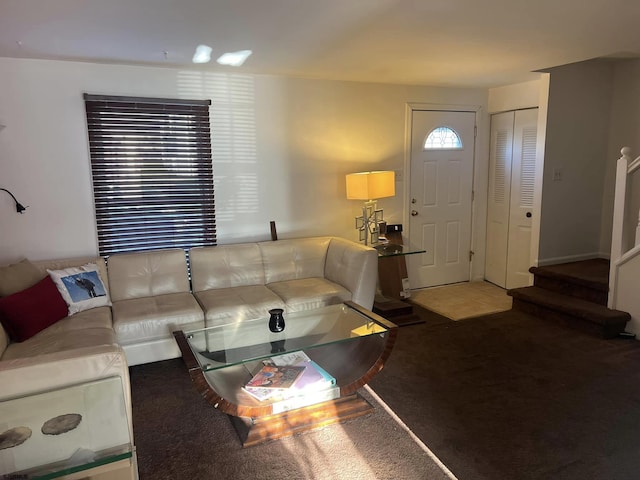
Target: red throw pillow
{"type": "Point", "coordinates": [25, 313]}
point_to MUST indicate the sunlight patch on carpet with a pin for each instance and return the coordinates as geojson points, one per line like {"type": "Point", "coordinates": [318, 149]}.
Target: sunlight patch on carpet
{"type": "Point", "coordinates": [463, 300]}
{"type": "Point", "coordinates": [413, 436]}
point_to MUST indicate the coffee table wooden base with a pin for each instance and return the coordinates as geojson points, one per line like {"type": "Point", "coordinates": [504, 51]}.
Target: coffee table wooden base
{"type": "Point", "coordinates": [253, 431]}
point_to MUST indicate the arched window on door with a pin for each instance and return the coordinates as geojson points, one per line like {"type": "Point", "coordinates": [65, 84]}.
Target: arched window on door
{"type": "Point", "coordinates": [443, 138]}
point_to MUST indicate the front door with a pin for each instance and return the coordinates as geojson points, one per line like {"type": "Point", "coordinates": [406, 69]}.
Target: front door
{"type": "Point", "coordinates": [441, 182]}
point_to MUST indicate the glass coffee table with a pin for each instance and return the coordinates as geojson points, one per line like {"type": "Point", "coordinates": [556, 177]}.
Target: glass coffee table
{"type": "Point", "coordinates": [348, 341]}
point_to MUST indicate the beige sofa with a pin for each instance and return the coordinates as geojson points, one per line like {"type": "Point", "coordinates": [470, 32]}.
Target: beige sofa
{"type": "Point", "coordinates": [230, 283]}
{"type": "Point", "coordinates": [151, 296]}
{"type": "Point", "coordinates": [74, 350]}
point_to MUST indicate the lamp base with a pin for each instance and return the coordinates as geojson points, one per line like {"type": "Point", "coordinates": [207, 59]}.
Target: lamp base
{"type": "Point", "coordinates": [368, 224]}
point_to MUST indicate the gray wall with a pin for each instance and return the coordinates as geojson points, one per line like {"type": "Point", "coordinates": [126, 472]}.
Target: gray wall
{"type": "Point", "coordinates": [577, 140]}
{"type": "Point", "coordinates": [624, 131]}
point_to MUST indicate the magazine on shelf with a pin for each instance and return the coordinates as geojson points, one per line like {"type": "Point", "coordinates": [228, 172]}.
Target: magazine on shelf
{"type": "Point", "coordinates": [261, 394]}
{"type": "Point", "coordinates": [279, 377]}
{"type": "Point", "coordinates": [310, 384]}
{"type": "Point", "coordinates": [291, 358]}
{"type": "Point", "coordinates": [313, 379]}
{"type": "Point", "coordinates": [299, 401]}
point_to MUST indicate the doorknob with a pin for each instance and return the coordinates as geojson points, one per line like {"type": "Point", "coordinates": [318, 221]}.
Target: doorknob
{"type": "Point", "coordinates": [413, 213]}
{"type": "Point", "coordinates": [528, 214]}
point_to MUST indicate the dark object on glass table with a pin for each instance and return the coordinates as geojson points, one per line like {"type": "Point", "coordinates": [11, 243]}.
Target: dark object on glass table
{"type": "Point", "coordinates": [276, 320]}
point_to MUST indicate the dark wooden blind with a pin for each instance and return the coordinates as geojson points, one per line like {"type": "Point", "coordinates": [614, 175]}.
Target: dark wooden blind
{"type": "Point", "coordinates": [152, 173]}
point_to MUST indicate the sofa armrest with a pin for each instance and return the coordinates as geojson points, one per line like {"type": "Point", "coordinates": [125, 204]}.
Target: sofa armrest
{"type": "Point", "coordinates": [355, 267]}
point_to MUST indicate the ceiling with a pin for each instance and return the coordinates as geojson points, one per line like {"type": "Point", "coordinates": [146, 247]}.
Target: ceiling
{"type": "Point", "coordinates": [461, 43]}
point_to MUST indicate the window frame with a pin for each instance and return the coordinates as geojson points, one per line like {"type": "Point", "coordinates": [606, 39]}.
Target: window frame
{"type": "Point", "coordinates": [152, 173]}
{"type": "Point", "coordinates": [437, 149]}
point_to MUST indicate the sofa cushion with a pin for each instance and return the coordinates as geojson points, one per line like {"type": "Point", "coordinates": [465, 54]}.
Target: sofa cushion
{"type": "Point", "coordinates": [19, 276]}
{"type": "Point", "coordinates": [293, 259]}
{"type": "Point", "coordinates": [226, 266]}
{"type": "Point", "coordinates": [147, 274]}
{"type": "Point", "coordinates": [230, 305]}
{"type": "Point", "coordinates": [94, 318]}
{"type": "Point", "coordinates": [309, 293]}
{"type": "Point", "coordinates": [53, 342]}
{"type": "Point", "coordinates": [81, 287]}
{"type": "Point", "coordinates": [151, 318]}
{"type": "Point", "coordinates": [26, 313]}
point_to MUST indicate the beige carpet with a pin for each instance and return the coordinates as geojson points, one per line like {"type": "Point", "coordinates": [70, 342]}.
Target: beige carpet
{"type": "Point", "coordinates": [463, 300]}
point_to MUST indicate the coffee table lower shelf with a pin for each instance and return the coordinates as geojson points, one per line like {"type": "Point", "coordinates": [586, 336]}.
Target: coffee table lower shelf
{"type": "Point", "coordinates": [348, 341]}
{"type": "Point", "coordinates": [253, 431]}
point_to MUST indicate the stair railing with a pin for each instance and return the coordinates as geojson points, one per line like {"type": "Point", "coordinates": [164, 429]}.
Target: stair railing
{"type": "Point", "coordinates": [625, 237]}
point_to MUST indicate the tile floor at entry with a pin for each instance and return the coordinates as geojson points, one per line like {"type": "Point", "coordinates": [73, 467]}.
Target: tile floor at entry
{"type": "Point", "coordinates": [463, 300]}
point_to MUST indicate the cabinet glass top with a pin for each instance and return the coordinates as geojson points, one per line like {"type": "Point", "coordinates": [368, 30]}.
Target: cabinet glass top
{"type": "Point", "coordinates": [64, 431]}
{"type": "Point", "coordinates": [234, 343]}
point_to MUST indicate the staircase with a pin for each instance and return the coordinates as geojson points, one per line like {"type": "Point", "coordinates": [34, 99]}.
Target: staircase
{"type": "Point", "coordinates": [574, 294]}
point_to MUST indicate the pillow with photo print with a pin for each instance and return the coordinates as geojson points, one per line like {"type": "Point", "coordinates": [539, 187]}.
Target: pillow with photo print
{"type": "Point", "coordinates": [81, 287]}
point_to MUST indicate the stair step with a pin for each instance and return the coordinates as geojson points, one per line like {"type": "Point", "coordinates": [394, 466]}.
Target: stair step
{"type": "Point", "coordinates": [573, 311]}
{"type": "Point", "coordinates": [587, 279]}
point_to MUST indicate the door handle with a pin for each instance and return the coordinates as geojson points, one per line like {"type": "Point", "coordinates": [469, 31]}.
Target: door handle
{"type": "Point", "coordinates": [528, 214]}
{"type": "Point", "coordinates": [413, 213]}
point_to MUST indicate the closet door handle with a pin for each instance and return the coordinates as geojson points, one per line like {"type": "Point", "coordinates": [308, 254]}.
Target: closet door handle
{"type": "Point", "coordinates": [528, 214]}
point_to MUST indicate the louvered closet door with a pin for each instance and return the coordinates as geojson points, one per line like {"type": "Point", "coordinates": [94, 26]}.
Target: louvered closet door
{"type": "Point", "coordinates": [499, 198]}
{"type": "Point", "coordinates": [523, 172]}
{"type": "Point", "coordinates": [510, 200]}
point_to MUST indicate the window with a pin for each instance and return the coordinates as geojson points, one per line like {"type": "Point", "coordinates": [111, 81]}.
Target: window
{"type": "Point", "coordinates": [441, 138]}
{"type": "Point", "coordinates": [152, 173]}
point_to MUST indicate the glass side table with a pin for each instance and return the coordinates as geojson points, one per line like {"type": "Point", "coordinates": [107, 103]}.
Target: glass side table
{"type": "Point", "coordinates": [75, 432]}
{"type": "Point", "coordinates": [394, 284]}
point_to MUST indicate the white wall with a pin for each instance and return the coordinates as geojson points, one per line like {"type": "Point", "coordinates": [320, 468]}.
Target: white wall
{"type": "Point", "coordinates": [579, 106]}
{"type": "Point", "coordinates": [281, 148]}
{"type": "Point", "coordinates": [514, 97]}
{"type": "Point", "coordinates": [624, 131]}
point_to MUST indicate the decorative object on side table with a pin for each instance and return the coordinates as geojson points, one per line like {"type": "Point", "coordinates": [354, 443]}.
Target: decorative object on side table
{"type": "Point", "coordinates": [14, 437]}
{"type": "Point", "coordinates": [276, 320]}
{"type": "Point", "coordinates": [61, 424]}
{"type": "Point", "coordinates": [370, 186]}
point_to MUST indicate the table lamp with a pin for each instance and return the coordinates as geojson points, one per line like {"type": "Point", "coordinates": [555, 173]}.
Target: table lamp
{"type": "Point", "coordinates": [370, 186]}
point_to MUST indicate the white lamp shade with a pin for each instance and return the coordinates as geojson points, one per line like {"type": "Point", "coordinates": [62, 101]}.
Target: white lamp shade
{"type": "Point", "coordinates": [371, 185]}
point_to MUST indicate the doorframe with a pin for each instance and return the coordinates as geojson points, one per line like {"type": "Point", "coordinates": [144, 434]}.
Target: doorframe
{"type": "Point", "coordinates": [480, 183]}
